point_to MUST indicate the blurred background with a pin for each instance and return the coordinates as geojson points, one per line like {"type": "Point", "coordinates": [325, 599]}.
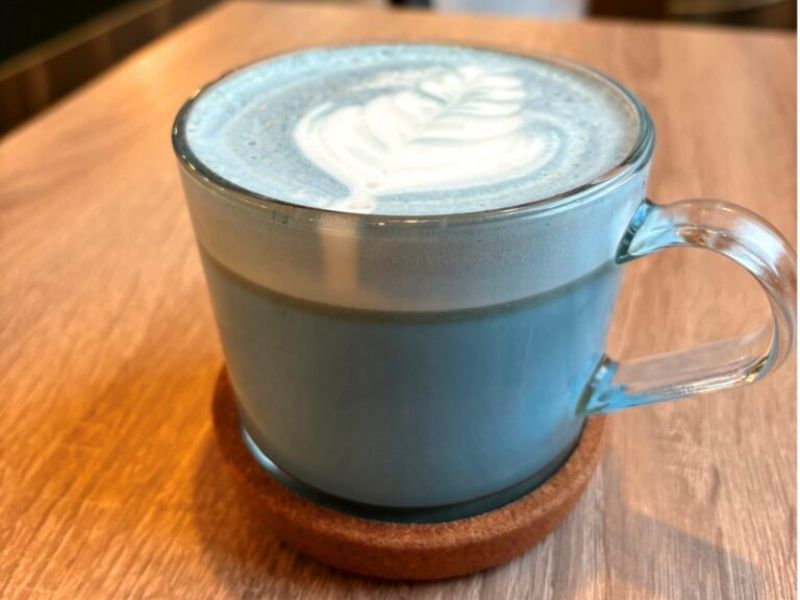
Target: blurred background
{"type": "Point", "coordinates": [50, 47]}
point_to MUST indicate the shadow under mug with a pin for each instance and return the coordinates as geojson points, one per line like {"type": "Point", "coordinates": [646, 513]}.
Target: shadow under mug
{"type": "Point", "coordinates": [428, 368]}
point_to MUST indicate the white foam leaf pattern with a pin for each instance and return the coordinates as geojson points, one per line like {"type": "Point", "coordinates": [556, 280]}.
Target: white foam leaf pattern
{"type": "Point", "coordinates": [454, 129]}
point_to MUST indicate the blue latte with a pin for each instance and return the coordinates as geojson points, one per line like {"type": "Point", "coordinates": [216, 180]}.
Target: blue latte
{"type": "Point", "coordinates": [417, 405]}
{"type": "Point", "coordinates": [398, 336]}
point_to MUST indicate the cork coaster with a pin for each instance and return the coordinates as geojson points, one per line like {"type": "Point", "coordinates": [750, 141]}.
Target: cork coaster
{"type": "Point", "coordinates": [406, 550]}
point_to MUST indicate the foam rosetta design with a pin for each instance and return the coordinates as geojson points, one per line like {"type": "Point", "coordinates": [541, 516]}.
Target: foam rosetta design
{"type": "Point", "coordinates": [410, 130]}
{"type": "Point", "coordinates": [455, 128]}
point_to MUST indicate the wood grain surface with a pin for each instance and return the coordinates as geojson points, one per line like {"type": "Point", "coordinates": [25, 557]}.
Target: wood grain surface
{"type": "Point", "coordinates": [110, 483]}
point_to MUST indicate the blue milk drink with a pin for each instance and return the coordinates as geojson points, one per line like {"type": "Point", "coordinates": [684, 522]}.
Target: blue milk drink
{"type": "Point", "coordinates": [399, 334]}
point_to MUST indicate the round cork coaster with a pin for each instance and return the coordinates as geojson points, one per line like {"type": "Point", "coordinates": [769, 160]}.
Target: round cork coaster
{"type": "Point", "coordinates": [406, 550]}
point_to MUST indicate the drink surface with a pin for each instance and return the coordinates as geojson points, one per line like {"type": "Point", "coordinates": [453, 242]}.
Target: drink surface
{"type": "Point", "coordinates": [410, 129]}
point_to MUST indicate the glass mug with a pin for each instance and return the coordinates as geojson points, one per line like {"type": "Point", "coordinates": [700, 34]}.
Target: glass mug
{"type": "Point", "coordinates": [433, 367]}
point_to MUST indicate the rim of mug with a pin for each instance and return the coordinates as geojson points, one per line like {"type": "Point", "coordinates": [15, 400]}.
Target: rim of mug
{"type": "Point", "coordinates": [639, 156]}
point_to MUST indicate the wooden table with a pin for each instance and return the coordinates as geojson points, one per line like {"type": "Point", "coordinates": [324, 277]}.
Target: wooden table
{"type": "Point", "coordinates": [111, 484]}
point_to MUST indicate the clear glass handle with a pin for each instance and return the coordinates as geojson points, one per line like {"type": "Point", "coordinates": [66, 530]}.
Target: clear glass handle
{"type": "Point", "coordinates": [750, 242]}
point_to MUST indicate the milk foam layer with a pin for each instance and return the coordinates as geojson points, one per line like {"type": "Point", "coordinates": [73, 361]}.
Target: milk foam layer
{"type": "Point", "coordinates": [410, 129]}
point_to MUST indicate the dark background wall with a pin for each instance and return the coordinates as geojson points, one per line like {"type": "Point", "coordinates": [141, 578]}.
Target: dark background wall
{"type": "Point", "coordinates": [50, 47]}
{"type": "Point", "coordinates": [27, 23]}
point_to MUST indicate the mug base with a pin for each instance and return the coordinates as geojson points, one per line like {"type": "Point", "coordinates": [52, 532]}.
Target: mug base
{"type": "Point", "coordinates": [403, 550]}
{"type": "Point", "coordinates": [419, 514]}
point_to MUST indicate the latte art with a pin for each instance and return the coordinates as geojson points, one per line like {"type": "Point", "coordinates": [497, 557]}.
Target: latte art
{"type": "Point", "coordinates": [421, 139]}
{"type": "Point", "coordinates": [410, 129]}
